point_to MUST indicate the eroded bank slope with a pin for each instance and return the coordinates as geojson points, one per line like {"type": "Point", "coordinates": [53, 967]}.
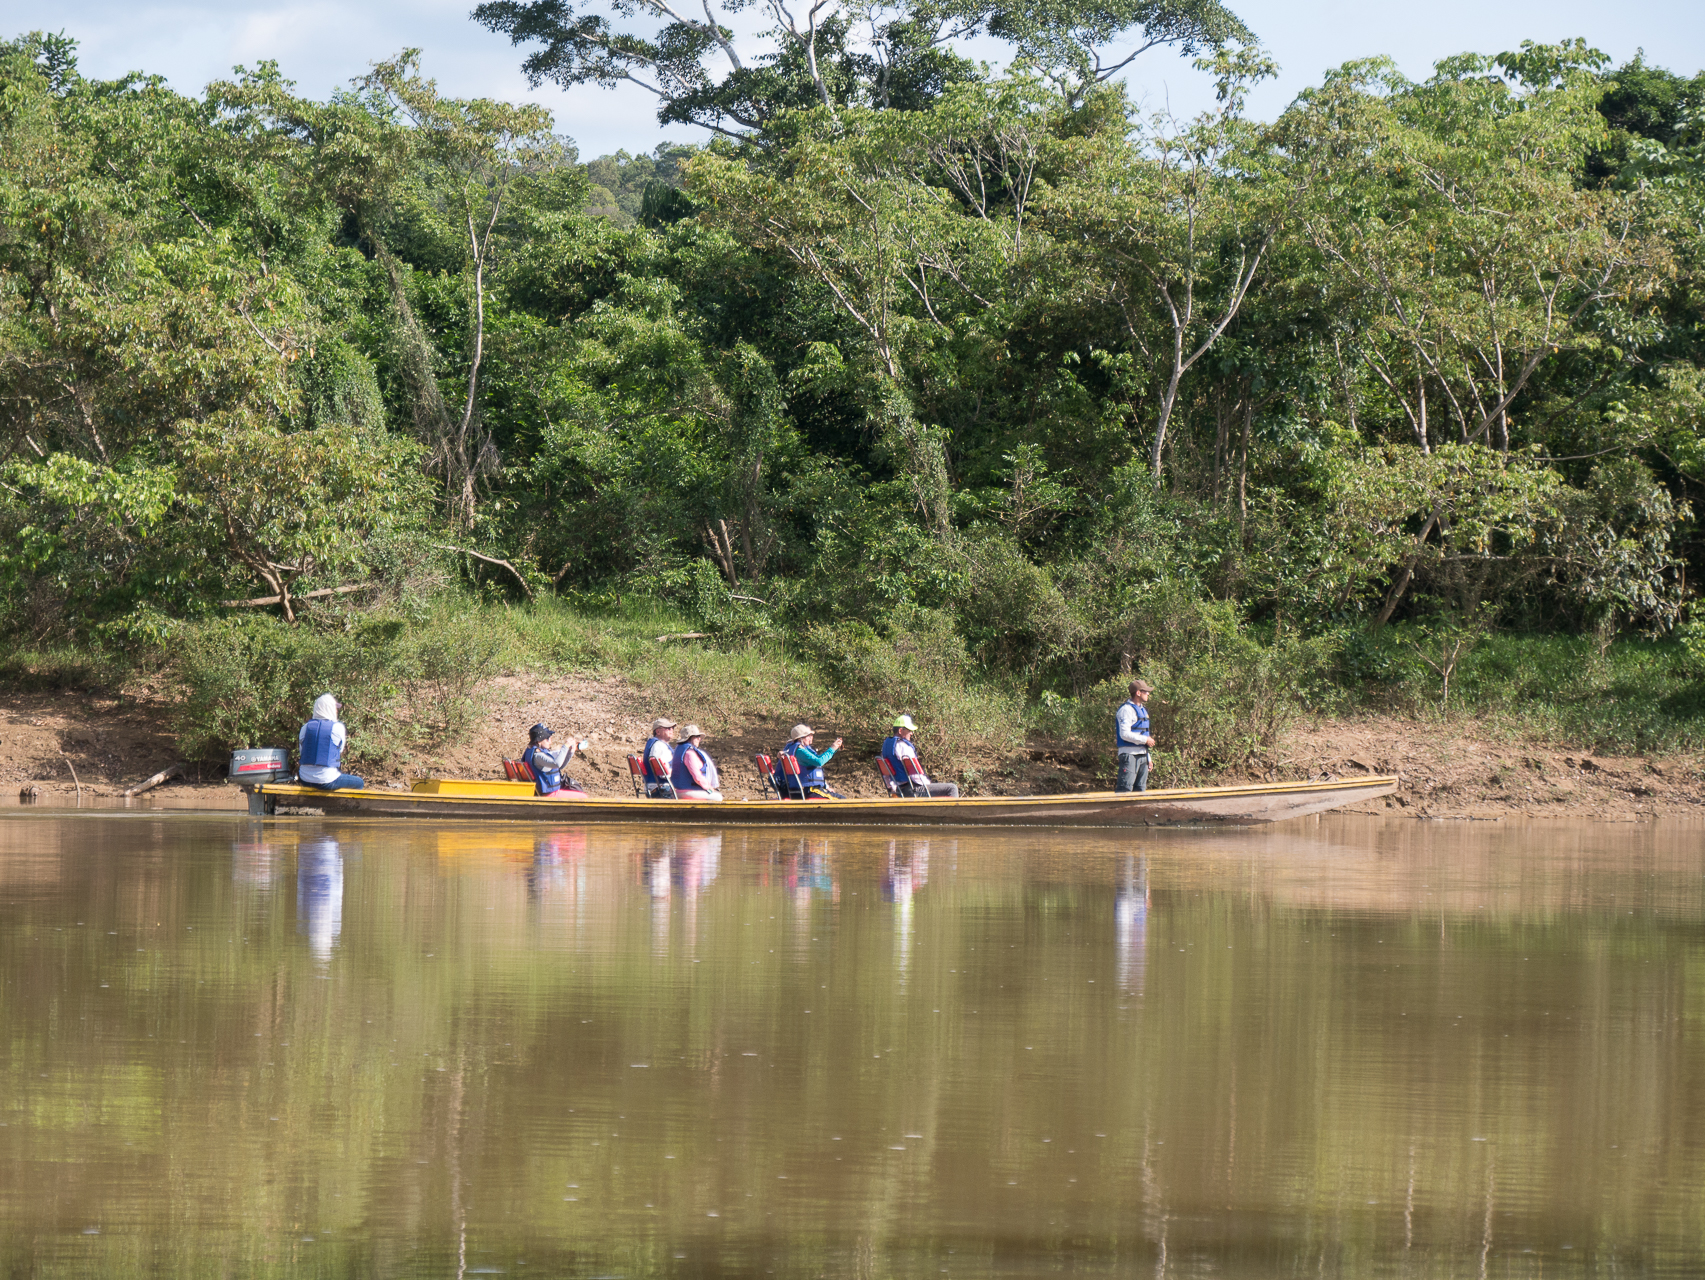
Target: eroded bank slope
{"type": "Point", "coordinates": [1458, 770]}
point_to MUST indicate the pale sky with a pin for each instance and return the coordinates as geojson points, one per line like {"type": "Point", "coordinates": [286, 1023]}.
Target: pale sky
{"type": "Point", "coordinates": [321, 45]}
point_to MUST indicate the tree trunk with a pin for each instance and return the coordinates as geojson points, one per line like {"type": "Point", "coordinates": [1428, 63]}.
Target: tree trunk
{"type": "Point", "coordinates": [1243, 465]}
{"type": "Point", "coordinates": [1402, 584]}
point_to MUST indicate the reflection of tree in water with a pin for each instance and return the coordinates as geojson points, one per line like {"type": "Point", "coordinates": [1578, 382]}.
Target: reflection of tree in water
{"type": "Point", "coordinates": [319, 895]}
{"type": "Point", "coordinates": [1130, 917]}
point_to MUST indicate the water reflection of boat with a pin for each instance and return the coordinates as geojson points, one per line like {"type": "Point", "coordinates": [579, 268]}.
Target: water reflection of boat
{"type": "Point", "coordinates": [464, 798]}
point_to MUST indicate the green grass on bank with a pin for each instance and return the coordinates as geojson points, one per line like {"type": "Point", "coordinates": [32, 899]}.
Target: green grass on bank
{"type": "Point", "coordinates": [419, 674]}
{"type": "Point", "coordinates": [1634, 695]}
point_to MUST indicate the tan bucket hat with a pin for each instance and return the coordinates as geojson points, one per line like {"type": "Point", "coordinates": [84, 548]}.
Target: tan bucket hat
{"type": "Point", "coordinates": [692, 731]}
{"type": "Point", "coordinates": [801, 731]}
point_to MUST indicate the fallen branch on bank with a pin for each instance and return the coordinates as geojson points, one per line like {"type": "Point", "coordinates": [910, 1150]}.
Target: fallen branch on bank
{"type": "Point", "coordinates": [321, 594]}
{"type": "Point", "coordinates": [75, 779]}
{"type": "Point", "coordinates": [485, 559]}
{"type": "Point", "coordinates": [170, 771]}
{"type": "Point", "coordinates": [684, 635]}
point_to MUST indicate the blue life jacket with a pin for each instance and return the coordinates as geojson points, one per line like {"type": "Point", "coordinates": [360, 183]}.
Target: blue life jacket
{"type": "Point", "coordinates": [317, 746]}
{"type": "Point", "coordinates": [546, 780]}
{"type": "Point", "coordinates": [1141, 728]}
{"type": "Point", "coordinates": [808, 777]}
{"type": "Point", "coordinates": [678, 775]}
{"type": "Point", "coordinates": [892, 757]}
{"type": "Point", "coordinates": [652, 781]}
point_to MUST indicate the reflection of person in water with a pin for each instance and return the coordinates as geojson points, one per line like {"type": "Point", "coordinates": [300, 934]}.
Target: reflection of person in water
{"type": "Point", "coordinates": [553, 855]}
{"type": "Point", "coordinates": [319, 894]}
{"type": "Point", "coordinates": [697, 860]}
{"type": "Point", "coordinates": [907, 870]}
{"type": "Point", "coordinates": [808, 871]}
{"type": "Point", "coordinates": [1130, 921]}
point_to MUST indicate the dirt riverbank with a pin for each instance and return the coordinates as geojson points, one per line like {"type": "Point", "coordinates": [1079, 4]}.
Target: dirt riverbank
{"type": "Point", "coordinates": [1451, 771]}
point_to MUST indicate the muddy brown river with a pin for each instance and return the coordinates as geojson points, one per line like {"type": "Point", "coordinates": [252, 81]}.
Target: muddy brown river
{"type": "Point", "coordinates": [1339, 1047]}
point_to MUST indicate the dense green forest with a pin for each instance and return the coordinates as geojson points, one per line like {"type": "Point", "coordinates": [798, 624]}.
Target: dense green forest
{"type": "Point", "coordinates": [948, 387]}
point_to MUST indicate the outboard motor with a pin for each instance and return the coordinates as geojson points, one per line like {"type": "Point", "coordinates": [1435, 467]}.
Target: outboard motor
{"type": "Point", "coordinates": [265, 764]}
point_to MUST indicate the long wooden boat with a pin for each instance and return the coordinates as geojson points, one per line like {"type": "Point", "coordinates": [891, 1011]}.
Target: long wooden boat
{"type": "Point", "coordinates": [515, 801]}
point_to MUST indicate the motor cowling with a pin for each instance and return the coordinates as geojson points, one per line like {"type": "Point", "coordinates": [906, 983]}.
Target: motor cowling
{"type": "Point", "coordinates": [261, 764]}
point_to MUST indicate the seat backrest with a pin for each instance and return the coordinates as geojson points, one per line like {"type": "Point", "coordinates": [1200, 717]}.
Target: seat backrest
{"type": "Point", "coordinates": [914, 770]}
{"type": "Point", "coordinates": [509, 770]}
{"type": "Point", "coordinates": [887, 769]}
{"type": "Point", "coordinates": [524, 772]}
{"type": "Point", "coordinates": [790, 766]}
{"type": "Point", "coordinates": [657, 772]}
{"type": "Point", "coordinates": [766, 768]}
{"type": "Point", "coordinates": [634, 766]}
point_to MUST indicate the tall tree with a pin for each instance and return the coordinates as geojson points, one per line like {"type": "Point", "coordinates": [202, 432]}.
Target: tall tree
{"type": "Point", "coordinates": [836, 53]}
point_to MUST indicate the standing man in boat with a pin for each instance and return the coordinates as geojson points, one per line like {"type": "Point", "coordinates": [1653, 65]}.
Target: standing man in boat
{"type": "Point", "coordinates": [1132, 739]}
{"type": "Point", "coordinates": [810, 767]}
{"type": "Point", "coordinates": [319, 749]}
{"type": "Point", "coordinates": [693, 772]}
{"type": "Point", "coordinates": [659, 757]}
{"type": "Point", "coordinates": [548, 764]}
{"type": "Point", "coordinates": [897, 748]}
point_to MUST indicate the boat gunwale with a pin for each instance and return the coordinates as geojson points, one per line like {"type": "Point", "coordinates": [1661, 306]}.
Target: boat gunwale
{"type": "Point", "coordinates": [877, 807]}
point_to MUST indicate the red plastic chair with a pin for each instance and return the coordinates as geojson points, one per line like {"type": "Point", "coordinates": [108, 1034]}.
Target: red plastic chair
{"type": "Point", "coordinates": [888, 779]}
{"type": "Point", "coordinates": [916, 780]}
{"type": "Point", "coordinates": [509, 771]}
{"type": "Point", "coordinates": [766, 776]}
{"type": "Point", "coordinates": [791, 779]}
{"type": "Point", "coordinates": [910, 789]}
{"type": "Point", "coordinates": [662, 787]}
{"type": "Point", "coordinates": [638, 771]}
{"type": "Point", "coordinates": [524, 772]}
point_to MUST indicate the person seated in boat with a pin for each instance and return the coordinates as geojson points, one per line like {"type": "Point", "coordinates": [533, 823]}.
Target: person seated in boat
{"type": "Point", "coordinates": [1132, 739]}
{"type": "Point", "coordinates": [693, 772]}
{"type": "Point", "coordinates": [319, 749]}
{"type": "Point", "coordinates": [548, 763]}
{"type": "Point", "coordinates": [659, 757]}
{"type": "Point", "coordinates": [811, 764]}
{"type": "Point", "coordinates": [897, 748]}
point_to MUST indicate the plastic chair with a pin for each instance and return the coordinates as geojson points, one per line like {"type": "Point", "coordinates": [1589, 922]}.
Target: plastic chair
{"type": "Point", "coordinates": [661, 786]}
{"type": "Point", "coordinates": [509, 771]}
{"type": "Point", "coordinates": [638, 771]}
{"type": "Point", "coordinates": [524, 772]}
{"type": "Point", "coordinates": [791, 779]}
{"type": "Point", "coordinates": [917, 781]}
{"type": "Point", "coordinates": [895, 787]}
{"type": "Point", "coordinates": [766, 776]}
